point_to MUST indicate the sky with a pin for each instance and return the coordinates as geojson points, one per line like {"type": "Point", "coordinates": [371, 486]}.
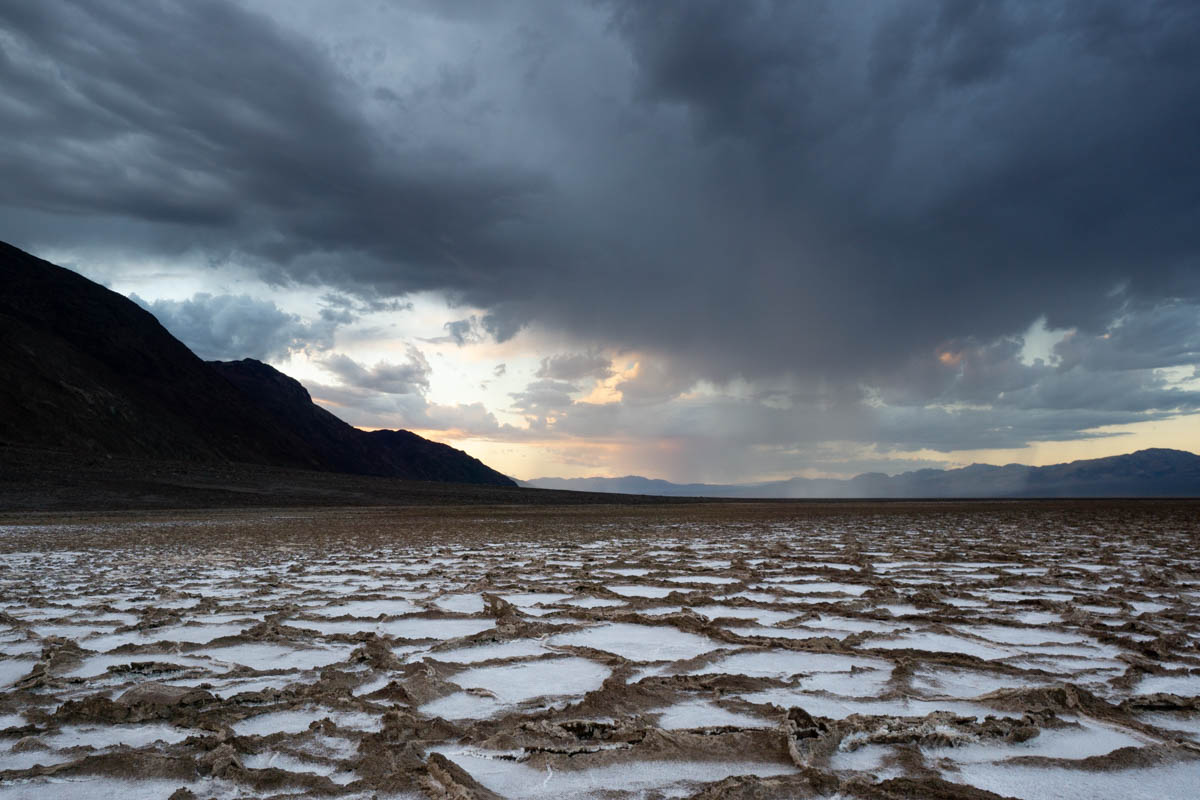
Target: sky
{"type": "Point", "coordinates": [693, 240]}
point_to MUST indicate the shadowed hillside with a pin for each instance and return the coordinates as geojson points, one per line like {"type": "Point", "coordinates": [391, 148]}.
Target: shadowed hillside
{"type": "Point", "coordinates": [84, 370]}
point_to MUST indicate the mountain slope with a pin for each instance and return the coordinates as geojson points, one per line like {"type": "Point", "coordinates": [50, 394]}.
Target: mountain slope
{"type": "Point", "coordinates": [84, 370]}
{"type": "Point", "coordinates": [1146, 473]}
{"type": "Point", "coordinates": [396, 454]}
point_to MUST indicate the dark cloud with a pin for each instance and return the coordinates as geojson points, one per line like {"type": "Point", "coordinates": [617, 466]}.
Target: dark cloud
{"type": "Point", "coordinates": [411, 377]}
{"type": "Point", "coordinates": [738, 424]}
{"type": "Point", "coordinates": [655, 382]}
{"type": "Point", "coordinates": [1020, 159]}
{"type": "Point", "coordinates": [811, 189]}
{"type": "Point", "coordinates": [1164, 336]}
{"type": "Point", "coordinates": [1120, 368]}
{"type": "Point", "coordinates": [461, 332]}
{"type": "Point", "coordinates": [575, 366]}
{"type": "Point", "coordinates": [335, 303]}
{"type": "Point", "coordinates": [865, 202]}
{"type": "Point", "coordinates": [475, 329]}
{"type": "Point", "coordinates": [244, 137]}
{"type": "Point", "coordinates": [543, 398]}
{"type": "Point", "coordinates": [228, 327]}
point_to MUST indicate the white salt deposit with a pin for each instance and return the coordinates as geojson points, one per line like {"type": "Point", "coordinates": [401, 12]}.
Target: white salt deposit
{"type": "Point", "coordinates": [368, 609]}
{"type": "Point", "coordinates": [12, 670]}
{"type": "Point", "coordinates": [1147, 607]}
{"type": "Point", "coordinates": [864, 758]}
{"type": "Point", "coordinates": [963, 602]}
{"type": "Point", "coordinates": [941, 643]}
{"type": "Point", "coordinates": [715, 580]}
{"type": "Point", "coordinates": [659, 611]}
{"type": "Point", "coordinates": [92, 666]}
{"type": "Point", "coordinates": [534, 598]}
{"type": "Point", "coordinates": [784, 663]}
{"type": "Point", "coordinates": [643, 591]}
{"type": "Point", "coordinates": [1183, 685]}
{"type": "Point", "coordinates": [705, 714]}
{"type": "Point", "coordinates": [197, 634]}
{"type": "Point", "coordinates": [864, 683]}
{"type": "Point", "coordinates": [764, 616]}
{"type": "Point", "coordinates": [270, 656]}
{"type": "Point", "coordinates": [298, 720]}
{"type": "Point", "coordinates": [949, 682]}
{"type": "Point", "coordinates": [787, 633]}
{"type": "Point", "coordinates": [1006, 634]}
{"type": "Point", "coordinates": [642, 778]}
{"type": "Point", "coordinates": [638, 642]}
{"type": "Point", "coordinates": [226, 688]}
{"type": "Point", "coordinates": [1037, 617]}
{"type": "Point", "coordinates": [532, 611]}
{"type": "Point", "coordinates": [443, 628]}
{"type": "Point", "coordinates": [594, 602]}
{"type": "Point", "coordinates": [853, 625]}
{"type": "Point", "coordinates": [105, 736]}
{"type": "Point", "coordinates": [758, 597]}
{"type": "Point", "coordinates": [1095, 609]}
{"type": "Point", "coordinates": [510, 684]}
{"type": "Point", "coordinates": [823, 587]}
{"type": "Point", "coordinates": [66, 631]}
{"type": "Point", "coordinates": [93, 787]}
{"type": "Point", "coordinates": [1079, 740]}
{"type": "Point", "coordinates": [271, 759]}
{"type": "Point", "coordinates": [519, 648]}
{"type": "Point", "coordinates": [902, 609]}
{"type": "Point", "coordinates": [1054, 783]}
{"type": "Point", "coordinates": [461, 603]}
{"type": "Point", "coordinates": [1184, 722]}
{"type": "Point", "coordinates": [839, 707]}
{"type": "Point", "coordinates": [27, 760]}
{"type": "Point", "coordinates": [17, 645]}
{"type": "Point", "coordinates": [373, 685]}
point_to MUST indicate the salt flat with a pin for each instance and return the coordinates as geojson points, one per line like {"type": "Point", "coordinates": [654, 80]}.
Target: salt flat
{"type": "Point", "coordinates": [743, 650]}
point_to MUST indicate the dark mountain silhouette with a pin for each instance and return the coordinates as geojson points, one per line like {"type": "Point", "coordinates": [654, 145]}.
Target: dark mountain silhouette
{"type": "Point", "coordinates": [1147, 473]}
{"type": "Point", "coordinates": [85, 370]}
{"type": "Point", "coordinates": [344, 448]}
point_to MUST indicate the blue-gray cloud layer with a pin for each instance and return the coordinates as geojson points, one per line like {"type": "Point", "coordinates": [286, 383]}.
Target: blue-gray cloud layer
{"type": "Point", "coordinates": [230, 327]}
{"type": "Point", "coordinates": [830, 192]}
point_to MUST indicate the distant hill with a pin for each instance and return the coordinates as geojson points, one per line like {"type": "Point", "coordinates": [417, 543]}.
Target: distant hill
{"type": "Point", "coordinates": [84, 370]}
{"type": "Point", "coordinates": [1155, 472]}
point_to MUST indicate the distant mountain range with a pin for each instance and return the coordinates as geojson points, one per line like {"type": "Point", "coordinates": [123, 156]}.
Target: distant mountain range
{"type": "Point", "coordinates": [1155, 472]}
{"type": "Point", "coordinates": [84, 370]}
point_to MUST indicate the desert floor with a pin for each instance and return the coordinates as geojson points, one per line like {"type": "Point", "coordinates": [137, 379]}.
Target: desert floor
{"type": "Point", "coordinates": [1026, 649]}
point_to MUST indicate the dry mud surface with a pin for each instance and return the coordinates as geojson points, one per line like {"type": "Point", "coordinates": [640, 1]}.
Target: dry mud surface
{"type": "Point", "coordinates": [1032, 650]}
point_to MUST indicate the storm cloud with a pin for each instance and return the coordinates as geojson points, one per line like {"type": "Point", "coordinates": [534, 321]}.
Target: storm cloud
{"type": "Point", "coordinates": [229, 327]}
{"type": "Point", "coordinates": [410, 377]}
{"type": "Point", "coordinates": [872, 202]}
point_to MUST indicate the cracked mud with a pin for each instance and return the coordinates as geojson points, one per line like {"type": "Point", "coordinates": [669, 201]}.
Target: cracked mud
{"type": "Point", "coordinates": [728, 651]}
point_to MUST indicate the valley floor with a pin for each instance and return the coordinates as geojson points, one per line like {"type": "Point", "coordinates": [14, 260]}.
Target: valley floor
{"type": "Point", "coordinates": [767, 650]}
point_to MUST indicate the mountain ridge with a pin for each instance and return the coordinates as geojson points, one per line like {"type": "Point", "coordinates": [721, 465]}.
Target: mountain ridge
{"type": "Point", "coordinates": [1151, 472]}
{"type": "Point", "coordinates": [88, 371]}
